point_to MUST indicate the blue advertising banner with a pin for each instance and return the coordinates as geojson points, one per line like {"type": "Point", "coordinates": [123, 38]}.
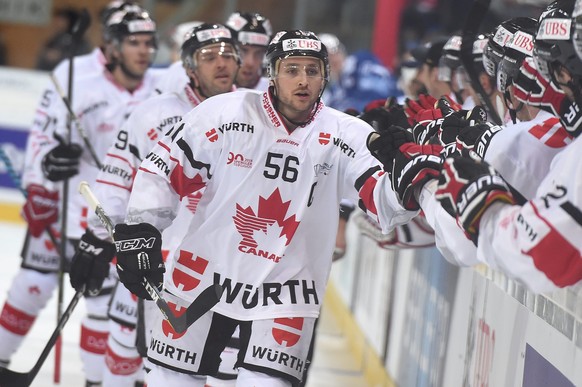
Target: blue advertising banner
{"type": "Point", "coordinates": [13, 144]}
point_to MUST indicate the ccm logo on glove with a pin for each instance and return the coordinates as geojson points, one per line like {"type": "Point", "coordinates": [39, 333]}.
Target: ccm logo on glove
{"type": "Point", "coordinates": [135, 244]}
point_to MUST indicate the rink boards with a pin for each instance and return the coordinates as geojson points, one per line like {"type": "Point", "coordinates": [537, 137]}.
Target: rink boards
{"type": "Point", "coordinates": [412, 318]}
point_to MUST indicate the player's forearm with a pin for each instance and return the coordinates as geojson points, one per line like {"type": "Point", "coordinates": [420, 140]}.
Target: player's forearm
{"type": "Point", "coordinates": [449, 237]}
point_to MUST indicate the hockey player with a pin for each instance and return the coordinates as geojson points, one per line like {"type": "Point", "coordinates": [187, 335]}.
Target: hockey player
{"type": "Point", "coordinates": [114, 94]}
{"type": "Point", "coordinates": [40, 258]}
{"type": "Point", "coordinates": [272, 165]}
{"type": "Point", "coordinates": [175, 77]}
{"type": "Point", "coordinates": [452, 71]}
{"type": "Point", "coordinates": [211, 62]}
{"type": "Point", "coordinates": [253, 33]}
{"type": "Point", "coordinates": [537, 243]}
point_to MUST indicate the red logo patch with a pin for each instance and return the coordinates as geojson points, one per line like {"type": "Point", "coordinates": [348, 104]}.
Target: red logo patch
{"type": "Point", "coordinates": [287, 331]}
{"type": "Point", "coordinates": [324, 138]}
{"type": "Point", "coordinates": [212, 135]}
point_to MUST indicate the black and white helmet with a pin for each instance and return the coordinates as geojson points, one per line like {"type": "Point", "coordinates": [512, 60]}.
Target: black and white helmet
{"type": "Point", "coordinates": [450, 60]}
{"type": "Point", "coordinates": [493, 50]}
{"type": "Point", "coordinates": [114, 6]}
{"type": "Point", "coordinates": [204, 35]}
{"type": "Point", "coordinates": [296, 43]}
{"type": "Point", "coordinates": [553, 44]}
{"type": "Point", "coordinates": [127, 21]}
{"type": "Point", "coordinates": [250, 28]}
{"type": "Point", "coordinates": [517, 48]}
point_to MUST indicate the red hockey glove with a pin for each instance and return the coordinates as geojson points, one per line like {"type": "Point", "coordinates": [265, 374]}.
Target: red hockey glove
{"type": "Point", "coordinates": [533, 89]}
{"type": "Point", "coordinates": [413, 166]}
{"type": "Point", "coordinates": [139, 255]}
{"type": "Point", "coordinates": [428, 121]}
{"type": "Point", "coordinates": [41, 209]}
{"type": "Point", "coordinates": [467, 188]}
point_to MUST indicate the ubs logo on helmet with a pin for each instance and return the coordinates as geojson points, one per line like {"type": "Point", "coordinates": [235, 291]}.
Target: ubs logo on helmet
{"type": "Point", "coordinates": [301, 44]}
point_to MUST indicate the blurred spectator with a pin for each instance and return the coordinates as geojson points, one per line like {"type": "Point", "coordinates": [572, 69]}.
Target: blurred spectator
{"type": "Point", "coordinates": [363, 79]}
{"type": "Point", "coordinates": [58, 46]}
{"type": "Point", "coordinates": [337, 56]}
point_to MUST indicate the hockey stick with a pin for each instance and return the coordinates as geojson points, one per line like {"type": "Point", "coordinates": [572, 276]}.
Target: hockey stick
{"type": "Point", "coordinates": [16, 180]}
{"type": "Point", "coordinates": [180, 323]}
{"type": "Point", "coordinates": [9, 378]}
{"type": "Point", "coordinates": [76, 121]}
{"type": "Point", "coordinates": [77, 31]}
{"type": "Point", "coordinates": [470, 30]}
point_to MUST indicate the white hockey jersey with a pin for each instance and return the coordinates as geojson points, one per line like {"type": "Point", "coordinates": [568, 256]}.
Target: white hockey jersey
{"type": "Point", "coordinates": [524, 155]}
{"type": "Point", "coordinates": [44, 116]}
{"type": "Point", "coordinates": [540, 243]}
{"type": "Point", "coordinates": [266, 223]}
{"type": "Point", "coordinates": [101, 106]}
{"type": "Point", "coordinates": [137, 136]}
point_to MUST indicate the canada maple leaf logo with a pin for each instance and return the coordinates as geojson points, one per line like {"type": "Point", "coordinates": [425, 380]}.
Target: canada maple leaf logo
{"type": "Point", "coordinates": [268, 224]}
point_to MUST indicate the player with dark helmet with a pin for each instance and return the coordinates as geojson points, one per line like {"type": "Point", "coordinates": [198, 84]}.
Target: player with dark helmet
{"type": "Point", "coordinates": [554, 52]}
{"type": "Point", "coordinates": [253, 33]}
{"type": "Point", "coordinates": [210, 43]}
{"type": "Point", "coordinates": [452, 71]}
{"type": "Point", "coordinates": [303, 47]}
{"type": "Point", "coordinates": [517, 48]}
{"type": "Point", "coordinates": [131, 28]}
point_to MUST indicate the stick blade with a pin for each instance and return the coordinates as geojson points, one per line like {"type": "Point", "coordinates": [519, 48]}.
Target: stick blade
{"type": "Point", "coordinates": [200, 306]}
{"type": "Point", "coordinates": [9, 378]}
{"type": "Point", "coordinates": [203, 303]}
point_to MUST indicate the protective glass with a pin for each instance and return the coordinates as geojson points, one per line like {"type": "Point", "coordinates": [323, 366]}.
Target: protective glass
{"type": "Point", "coordinates": [293, 70]}
{"type": "Point", "coordinates": [211, 54]}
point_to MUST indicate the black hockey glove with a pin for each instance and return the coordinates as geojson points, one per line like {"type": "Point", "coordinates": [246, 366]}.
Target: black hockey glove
{"type": "Point", "coordinates": [382, 117]}
{"type": "Point", "coordinates": [453, 124]}
{"type": "Point", "coordinates": [139, 256]}
{"type": "Point", "coordinates": [90, 264]}
{"type": "Point", "coordinates": [414, 165]}
{"type": "Point", "coordinates": [467, 188]}
{"type": "Point", "coordinates": [385, 143]}
{"type": "Point", "coordinates": [477, 138]}
{"type": "Point", "coordinates": [62, 162]}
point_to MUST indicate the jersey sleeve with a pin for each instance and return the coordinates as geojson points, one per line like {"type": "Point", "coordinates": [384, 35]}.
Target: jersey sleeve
{"type": "Point", "coordinates": [40, 138]}
{"type": "Point", "coordinates": [538, 244]}
{"type": "Point", "coordinates": [522, 153]}
{"type": "Point", "coordinates": [370, 187]}
{"type": "Point", "coordinates": [181, 163]}
{"type": "Point", "coordinates": [449, 237]}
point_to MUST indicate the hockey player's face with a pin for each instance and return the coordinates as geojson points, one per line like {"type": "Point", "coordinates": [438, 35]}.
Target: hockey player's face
{"type": "Point", "coordinates": [298, 83]}
{"type": "Point", "coordinates": [252, 65]}
{"type": "Point", "coordinates": [216, 68]}
{"type": "Point", "coordinates": [563, 79]}
{"type": "Point", "coordinates": [136, 53]}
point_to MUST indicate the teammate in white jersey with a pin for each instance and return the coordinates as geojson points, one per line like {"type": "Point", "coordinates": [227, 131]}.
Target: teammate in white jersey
{"type": "Point", "coordinates": [253, 32]}
{"type": "Point", "coordinates": [211, 61]}
{"type": "Point", "coordinates": [273, 166]}
{"type": "Point", "coordinates": [36, 280]}
{"type": "Point", "coordinates": [115, 92]}
{"type": "Point", "coordinates": [538, 243]}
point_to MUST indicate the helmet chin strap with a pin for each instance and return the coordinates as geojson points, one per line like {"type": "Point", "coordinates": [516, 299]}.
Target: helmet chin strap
{"type": "Point", "coordinates": [195, 85]}
{"type": "Point", "coordinates": [509, 105]}
{"type": "Point", "coordinates": [273, 92]}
